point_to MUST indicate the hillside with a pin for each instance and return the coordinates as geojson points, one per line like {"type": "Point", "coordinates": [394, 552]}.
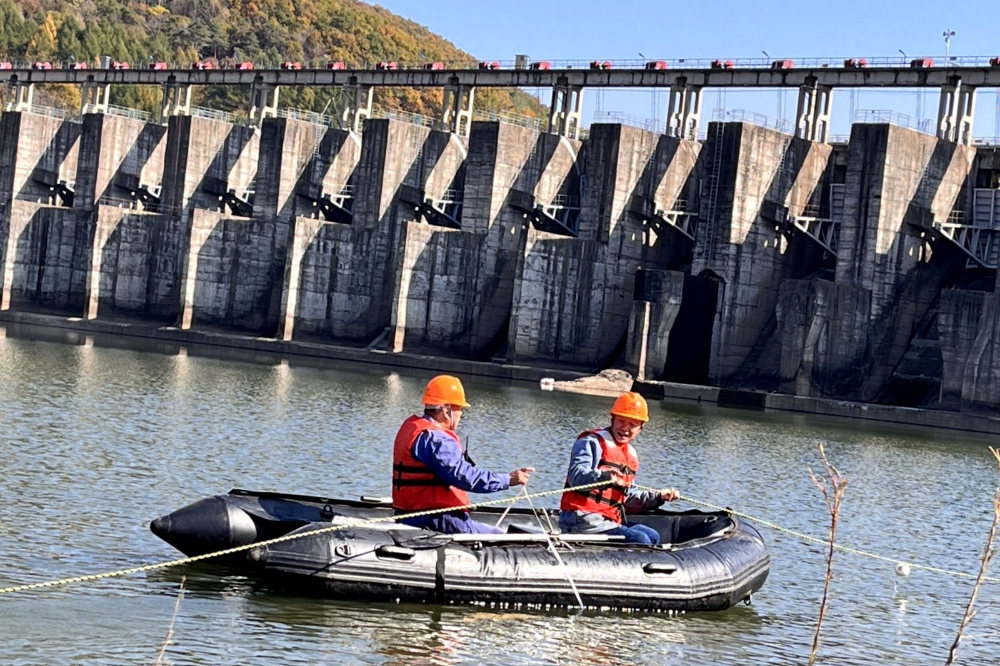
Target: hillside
{"type": "Point", "coordinates": [262, 31]}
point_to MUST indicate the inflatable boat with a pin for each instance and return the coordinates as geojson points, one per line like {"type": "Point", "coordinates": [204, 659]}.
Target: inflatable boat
{"type": "Point", "coordinates": [707, 561]}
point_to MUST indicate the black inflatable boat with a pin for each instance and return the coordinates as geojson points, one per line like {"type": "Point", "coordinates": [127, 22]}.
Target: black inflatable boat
{"type": "Point", "coordinates": [709, 561]}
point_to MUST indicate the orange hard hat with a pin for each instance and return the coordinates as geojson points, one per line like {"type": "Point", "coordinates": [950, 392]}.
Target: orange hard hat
{"type": "Point", "coordinates": [631, 406]}
{"type": "Point", "coordinates": [445, 390]}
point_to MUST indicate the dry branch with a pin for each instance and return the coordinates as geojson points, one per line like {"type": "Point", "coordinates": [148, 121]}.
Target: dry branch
{"type": "Point", "coordinates": [173, 618]}
{"type": "Point", "coordinates": [984, 566]}
{"type": "Point", "coordinates": [832, 487]}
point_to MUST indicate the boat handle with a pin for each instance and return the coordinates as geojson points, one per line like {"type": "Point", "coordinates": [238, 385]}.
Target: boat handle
{"type": "Point", "coordinates": [659, 568]}
{"type": "Point", "coordinates": [395, 553]}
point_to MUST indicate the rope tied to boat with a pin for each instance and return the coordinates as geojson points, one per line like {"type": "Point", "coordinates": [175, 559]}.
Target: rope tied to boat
{"type": "Point", "coordinates": [470, 507]}
{"type": "Point", "coordinates": [289, 537]}
{"type": "Point", "coordinates": [826, 542]}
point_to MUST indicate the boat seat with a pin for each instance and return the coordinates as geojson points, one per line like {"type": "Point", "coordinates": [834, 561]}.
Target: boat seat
{"type": "Point", "coordinates": [528, 528]}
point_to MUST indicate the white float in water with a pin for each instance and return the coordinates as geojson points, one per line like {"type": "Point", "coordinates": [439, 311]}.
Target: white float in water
{"type": "Point", "coordinates": [903, 569]}
{"type": "Point", "coordinates": [547, 383]}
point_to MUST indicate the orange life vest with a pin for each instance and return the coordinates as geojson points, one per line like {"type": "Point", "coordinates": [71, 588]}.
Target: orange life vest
{"type": "Point", "coordinates": [609, 501]}
{"type": "Point", "coordinates": [414, 486]}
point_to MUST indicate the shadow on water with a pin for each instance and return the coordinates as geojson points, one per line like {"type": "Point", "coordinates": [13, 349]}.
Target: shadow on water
{"type": "Point", "coordinates": [68, 336]}
{"type": "Point", "coordinates": [821, 426]}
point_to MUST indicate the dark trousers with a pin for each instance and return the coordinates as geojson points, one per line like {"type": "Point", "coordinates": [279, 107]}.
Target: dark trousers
{"type": "Point", "coordinates": [457, 522]}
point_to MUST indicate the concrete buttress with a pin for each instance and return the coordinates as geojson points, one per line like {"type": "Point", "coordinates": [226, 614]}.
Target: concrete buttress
{"type": "Point", "coordinates": [454, 286]}
{"type": "Point", "coordinates": [38, 160]}
{"type": "Point", "coordinates": [844, 338]}
{"type": "Point", "coordinates": [754, 179]}
{"type": "Point", "coordinates": [573, 295]}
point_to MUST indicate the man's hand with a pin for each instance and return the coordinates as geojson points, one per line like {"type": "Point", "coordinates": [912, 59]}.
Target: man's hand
{"type": "Point", "coordinates": [519, 477]}
{"type": "Point", "coordinates": [618, 480]}
{"type": "Point", "coordinates": [670, 495]}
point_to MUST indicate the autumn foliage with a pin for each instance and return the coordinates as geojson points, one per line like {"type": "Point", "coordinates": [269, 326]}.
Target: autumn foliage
{"type": "Point", "coordinates": [265, 32]}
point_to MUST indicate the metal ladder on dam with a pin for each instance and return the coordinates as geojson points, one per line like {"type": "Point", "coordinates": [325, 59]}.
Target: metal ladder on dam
{"type": "Point", "coordinates": [712, 196]}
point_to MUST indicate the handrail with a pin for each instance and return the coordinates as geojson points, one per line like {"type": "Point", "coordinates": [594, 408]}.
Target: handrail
{"type": "Point", "coordinates": [214, 114]}
{"type": "Point", "coordinates": [925, 125]}
{"type": "Point", "coordinates": [406, 117]}
{"type": "Point", "coordinates": [752, 117]}
{"type": "Point", "coordinates": [648, 124]}
{"type": "Point", "coordinates": [125, 112]}
{"type": "Point", "coordinates": [509, 118]}
{"type": "Point", "coordinates": [307, 116]}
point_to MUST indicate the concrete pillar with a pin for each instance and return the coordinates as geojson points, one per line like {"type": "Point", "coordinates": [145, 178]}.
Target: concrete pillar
{"type": "Point", "coordinates": [22, 96]}
{"type": "Point", "coordinates": [684, 111]}
{"type": "Point", "coordinates": [566, 110]}
{"type": "Point", "coordinates": [355, 106]}
{"type": "Point", "coordinates": [263, 103]}
{"type": "Point", "coordinates": [440, 176]}
{"type": "Point", "coordinates": [456, 116]}
{"type": "Point", "coordinates": [204, 160]}
{"type": "Point", "coordinates": [956, 112]}
{"type": "Point", "coordinates": [812, 117]}
{"type": "Point", "coordinates": [327, 177]}
{"type": "Point", "coordinates": [38, 230]}
{"type": "Point", "coordinates": [94, 98]}
{"type": "Point", "coordinates": [755, 178]}
{"type": "Point", "coordinates": [176, 101]}
{"type": "Point", "coordinates": [656, 303]}
{"type": "Point", "coordinates": [120, 165]}
{"type": "Point", "coordinates": [207, 162]}
{"type": "Point", "coordinates": [38, 153]}
{"type": "Point", "coordinates": [121, 162]}
{"type": "Point", "coordinates": [304, 233]}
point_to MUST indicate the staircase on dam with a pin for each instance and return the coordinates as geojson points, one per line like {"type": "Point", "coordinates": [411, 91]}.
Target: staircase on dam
{"type": "Point", "coordinates": [980, 239]}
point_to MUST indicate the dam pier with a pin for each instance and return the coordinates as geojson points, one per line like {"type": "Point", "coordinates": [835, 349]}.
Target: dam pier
{"type": "Point", "coordinates": [730, 251]}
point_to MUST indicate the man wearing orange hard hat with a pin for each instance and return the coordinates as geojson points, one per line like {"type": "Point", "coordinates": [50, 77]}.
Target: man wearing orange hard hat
{"type": "Point", "coordinates": [607, 454]}
{"type": "Point", "coordinates": [429, 470]}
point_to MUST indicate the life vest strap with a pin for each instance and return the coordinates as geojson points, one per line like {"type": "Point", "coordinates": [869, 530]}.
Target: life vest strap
{"type": "Point", "coordinates": [428, 477]}
{"type": "Point", "coordinates": [598, 495]}
{"type": "Point", "coordinates": [624, 469]}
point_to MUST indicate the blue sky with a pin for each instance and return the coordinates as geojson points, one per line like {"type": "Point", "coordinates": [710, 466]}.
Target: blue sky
{"type": "Point", "coordinates": [589, 29]}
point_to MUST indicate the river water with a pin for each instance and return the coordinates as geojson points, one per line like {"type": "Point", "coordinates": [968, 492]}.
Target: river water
{"type": "Point", "coordinates": [98, 440]}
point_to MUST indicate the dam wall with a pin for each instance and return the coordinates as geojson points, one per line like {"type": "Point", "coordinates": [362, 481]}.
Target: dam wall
{"type": "Point", "coordinates": [751, 260]}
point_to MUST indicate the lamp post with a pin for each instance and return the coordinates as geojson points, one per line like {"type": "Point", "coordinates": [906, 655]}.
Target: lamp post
{"type": "Point", "coordinates": [947, 34]}
{"type": "Point", "coordinates": [904, 55]}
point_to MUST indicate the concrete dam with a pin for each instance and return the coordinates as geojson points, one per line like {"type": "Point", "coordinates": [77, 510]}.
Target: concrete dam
{"type": "Point", "coordinates": [748, 257]}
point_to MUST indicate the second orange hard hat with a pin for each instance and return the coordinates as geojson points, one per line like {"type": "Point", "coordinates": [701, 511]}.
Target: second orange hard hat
{"type": "Point", "coordinates": [445, 390]}
{"type": "Point", "coordinates": [631, 406]}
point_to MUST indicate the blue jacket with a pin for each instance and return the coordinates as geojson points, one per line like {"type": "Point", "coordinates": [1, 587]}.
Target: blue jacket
{"type": "Point", "coordinates": [444, 457]}
{"type": "Point", "coordinates": [583, 463]}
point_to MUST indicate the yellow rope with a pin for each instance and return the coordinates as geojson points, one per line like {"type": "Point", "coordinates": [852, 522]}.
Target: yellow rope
{"type": "Point", "coordinates": [826, 542]}
{"type": "Point", "coordinates": [287, 537]}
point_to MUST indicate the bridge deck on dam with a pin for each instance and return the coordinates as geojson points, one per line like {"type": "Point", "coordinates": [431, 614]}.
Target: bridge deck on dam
{"type": "Point", "coordinates": [751, 77]}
